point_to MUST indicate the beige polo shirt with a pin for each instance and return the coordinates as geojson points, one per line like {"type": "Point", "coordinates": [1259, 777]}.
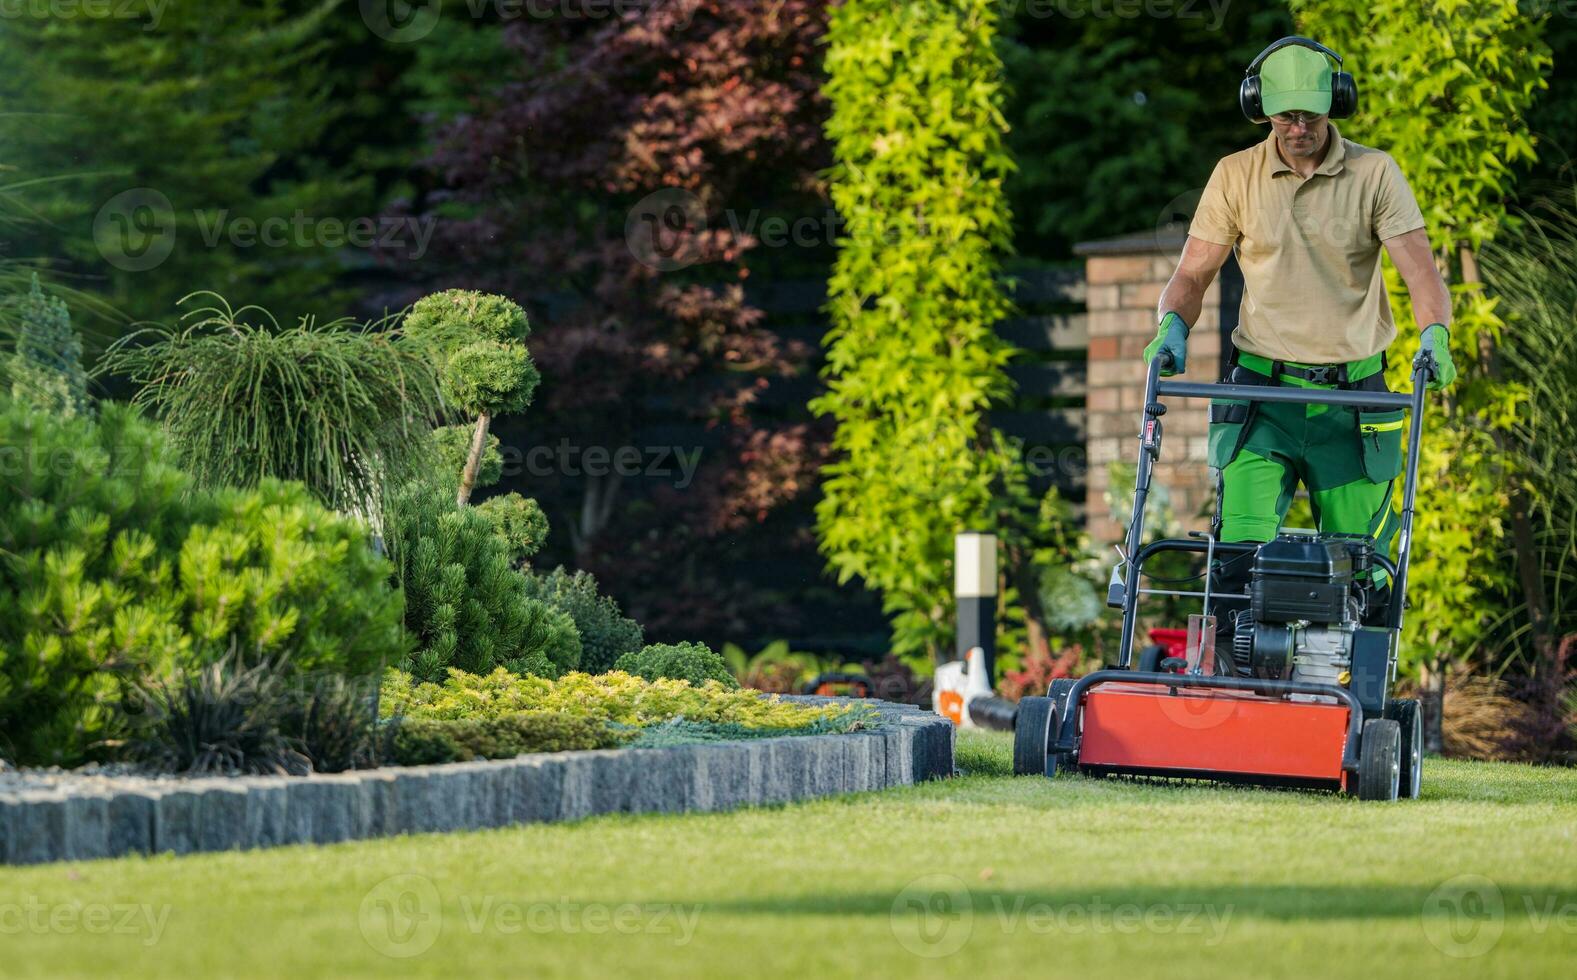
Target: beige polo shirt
{"type": "Point", "coordinates": [1309, 248]}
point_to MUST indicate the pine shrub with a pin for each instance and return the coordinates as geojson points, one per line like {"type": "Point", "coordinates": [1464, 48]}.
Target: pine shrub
{"type": "Point", "coordinates": [115, 569]}
{"type": "Point", "coordinates": [464, 603]}
{"type": "Point", "coordinates": [693, 662]}
{"type": "Point", "coordinates": [606, 634]}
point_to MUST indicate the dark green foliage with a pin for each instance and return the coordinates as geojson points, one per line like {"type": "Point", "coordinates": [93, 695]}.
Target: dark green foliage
{"type": "Point", "coordinates": [342, 407]}
{"type": "Point", "coordinates": [1115, 117]}
{"type": "Point", "coordinates": [1533, 272]}
{"type": "Point", "coordinates": [519, 523]}
{"type": "Point", "coordinates": [606, 634]}
{"type": "Point", "coordinates": [114, 567]}
{"type": "Point", "coordinates": [222, 718]}
{"type": "Point", "coordinates": [330, 718]}
{"type": "Point", "coordinates": [693, 662]}
{"type": "Point", "coordinates": [421, 741]}
{"type": "Point", "coordinates": [464, 603]}
{"type": "Point", "coordinates": [182, 127]}
{"type": "Point", "coordinates": [47, 368]}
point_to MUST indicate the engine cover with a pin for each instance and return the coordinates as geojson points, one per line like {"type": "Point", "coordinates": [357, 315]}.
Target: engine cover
{"type": "Point", "coordinates": [1301, 578]}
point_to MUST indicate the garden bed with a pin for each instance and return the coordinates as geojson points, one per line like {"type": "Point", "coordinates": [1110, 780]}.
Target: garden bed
{"type": "Point", "coordinates": [106, 813]}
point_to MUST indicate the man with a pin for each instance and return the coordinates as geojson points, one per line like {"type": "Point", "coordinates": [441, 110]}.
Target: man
{"type": "Point", "coordinates": [1307, 213]}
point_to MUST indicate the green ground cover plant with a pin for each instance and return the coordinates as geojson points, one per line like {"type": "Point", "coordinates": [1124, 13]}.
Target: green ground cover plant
{"type": "Point", "coordinates": [615, 697]}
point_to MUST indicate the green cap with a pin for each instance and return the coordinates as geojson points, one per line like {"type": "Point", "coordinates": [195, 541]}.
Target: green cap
{"type": "Point", "coordinates": [1295, 79]}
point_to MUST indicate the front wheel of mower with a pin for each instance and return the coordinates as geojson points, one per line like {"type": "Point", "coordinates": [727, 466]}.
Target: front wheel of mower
{"type": "Point", "coordinates": [1380, 760]}
{"type": "Point", "coordinates": [1406, 714]}
{"type": "Point", "coordinates": [1058, 694]}
{"type": "Point", "coordinates": [1030, 730]}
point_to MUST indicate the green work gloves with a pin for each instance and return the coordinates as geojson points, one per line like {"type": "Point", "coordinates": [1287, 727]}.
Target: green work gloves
{"type": "Point", "coordinates": [1172, 338]}
{"type": "Point", "coordinates": [1437, 341]}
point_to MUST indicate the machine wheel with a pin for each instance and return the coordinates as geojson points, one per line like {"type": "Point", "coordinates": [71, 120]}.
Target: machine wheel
{"type": "Point", "coordinates": [1057, 693]}
{"type": "Point", "coordinates": [1151, 656]}
{"type": "Point", "coordinates": [1380, 760]}
{"type": "Point", "coordinates": [1406, 714]}
{"type": "Point", "coordinates": [1030, 730]}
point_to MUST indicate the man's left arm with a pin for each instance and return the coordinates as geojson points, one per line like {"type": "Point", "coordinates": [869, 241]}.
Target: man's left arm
{"type": "Point", "coordinates": [1414, 259]}
{"type": "Point", "coordinates": [1399, 224]}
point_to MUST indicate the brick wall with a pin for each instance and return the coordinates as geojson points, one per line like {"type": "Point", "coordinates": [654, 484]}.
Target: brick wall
{"type": "Point", "coordinates": [1125, 277]}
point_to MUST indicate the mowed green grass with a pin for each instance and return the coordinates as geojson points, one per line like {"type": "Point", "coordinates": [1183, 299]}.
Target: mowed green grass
{"type": "Point", "coordinates": [981, 876]}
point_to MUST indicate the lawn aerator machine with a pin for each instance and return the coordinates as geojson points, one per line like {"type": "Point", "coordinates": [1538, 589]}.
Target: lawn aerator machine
{"type": "Point", "coordinates": [1301, 698]}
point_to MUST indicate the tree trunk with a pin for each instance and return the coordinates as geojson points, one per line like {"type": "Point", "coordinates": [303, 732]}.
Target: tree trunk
{"type": "Point", "coordinates": [1432, 701]}
{"type": "Point", "coordinates": [473, 462]}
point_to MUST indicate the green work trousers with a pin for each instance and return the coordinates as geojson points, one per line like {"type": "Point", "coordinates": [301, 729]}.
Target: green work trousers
{"type": "Point", "coordinates": [1347, 458]}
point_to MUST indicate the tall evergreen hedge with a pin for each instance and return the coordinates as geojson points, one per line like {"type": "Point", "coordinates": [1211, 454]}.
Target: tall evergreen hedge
{"type": "Point", "coordinates": [913, 361]}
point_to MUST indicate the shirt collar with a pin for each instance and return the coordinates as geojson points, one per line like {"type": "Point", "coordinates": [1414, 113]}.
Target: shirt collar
{"type": "Point", "coordinates": [1334, 159]}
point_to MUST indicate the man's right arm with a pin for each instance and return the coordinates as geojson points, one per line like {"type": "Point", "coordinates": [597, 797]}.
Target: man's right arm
{"type": "Point", "coordinates": [1185, 293]}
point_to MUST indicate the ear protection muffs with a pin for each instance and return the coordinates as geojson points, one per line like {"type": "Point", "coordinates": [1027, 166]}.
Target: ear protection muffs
{"type": "Point", "coordinates": [1344, 91]}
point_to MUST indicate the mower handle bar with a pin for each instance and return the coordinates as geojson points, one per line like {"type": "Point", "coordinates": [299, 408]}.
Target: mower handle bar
{"type": "Point", "coordinates": [1306, 396]}
{"type": "Point", "coordinates": [1150, 451]}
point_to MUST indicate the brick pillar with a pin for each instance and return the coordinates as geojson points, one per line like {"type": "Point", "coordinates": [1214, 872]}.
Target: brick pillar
{"type": "Point", "coordinates": [1125, 277]}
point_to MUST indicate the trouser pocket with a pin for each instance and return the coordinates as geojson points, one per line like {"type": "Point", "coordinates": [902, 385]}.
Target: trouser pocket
{"type": "Point", "coordinates": [1380, 441]}
{"type": "Point", "coordinates": [1229, 420]}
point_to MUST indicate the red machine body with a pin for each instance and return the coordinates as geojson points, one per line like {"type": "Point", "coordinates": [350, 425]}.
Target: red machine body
{"type": "Point", "coordinates": [1217, 734]}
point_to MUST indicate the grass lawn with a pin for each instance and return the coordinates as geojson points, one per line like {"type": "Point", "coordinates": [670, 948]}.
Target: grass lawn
{"type": "Point", "coordinates": [986, 875]}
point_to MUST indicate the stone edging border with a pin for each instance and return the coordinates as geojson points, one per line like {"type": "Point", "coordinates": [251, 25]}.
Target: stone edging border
{"type": "Point", "coordinates": [219, 814]}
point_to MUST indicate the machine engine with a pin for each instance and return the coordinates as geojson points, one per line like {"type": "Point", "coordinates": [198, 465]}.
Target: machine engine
{"type": "Point", "coordinates": [1308, 596]}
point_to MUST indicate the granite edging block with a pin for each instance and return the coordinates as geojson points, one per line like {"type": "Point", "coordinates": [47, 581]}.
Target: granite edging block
{"type": "Point", "coordinates": [907, 746]}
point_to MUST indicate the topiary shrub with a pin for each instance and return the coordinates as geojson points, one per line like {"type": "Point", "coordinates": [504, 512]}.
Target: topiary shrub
{"type": "Point", "coordinates": [693, 662]}
{"type": "Point", "coordinates": [464, 603]}
{"type": "Point", "coordinates": [451, 447]}
{"type": "Point", "coordinates": [484, 368]}
{"type": "Point", "coordinates": [114, 569]}
{"type": "Point", "coordinates": [518, 522]}
{"type": "Point", "coordinates": [606, 634]}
